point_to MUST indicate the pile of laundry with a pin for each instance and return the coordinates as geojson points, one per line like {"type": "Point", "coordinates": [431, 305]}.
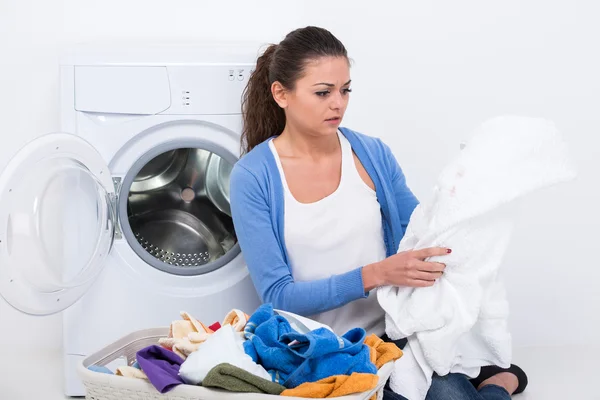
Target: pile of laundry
{"type": "Point", "coordinates": [269, 352]}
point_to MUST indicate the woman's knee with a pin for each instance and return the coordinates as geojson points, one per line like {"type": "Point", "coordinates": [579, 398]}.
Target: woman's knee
{"type": "Point", "coordinates": [451, 387]}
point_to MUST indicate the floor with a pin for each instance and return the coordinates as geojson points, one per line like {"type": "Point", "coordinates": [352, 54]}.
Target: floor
{"type": "Point", "coordinates": [559, 373]}
{"type": "Point", "coordinates": [555, 374]}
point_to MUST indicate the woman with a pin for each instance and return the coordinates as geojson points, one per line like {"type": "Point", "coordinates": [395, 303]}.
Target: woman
{"type": "Point", "coordinates": [320, 210]}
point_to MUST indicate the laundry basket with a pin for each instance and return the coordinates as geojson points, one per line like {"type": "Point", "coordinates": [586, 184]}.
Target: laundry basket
{"type": "Point", "coordinates": [101, 386]}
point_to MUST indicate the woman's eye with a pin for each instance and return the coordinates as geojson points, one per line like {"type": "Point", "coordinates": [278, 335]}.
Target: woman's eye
{"type": "Point", "coordinates": [347, 90]}
{"type": "Point", "coordinates": [323, 93]}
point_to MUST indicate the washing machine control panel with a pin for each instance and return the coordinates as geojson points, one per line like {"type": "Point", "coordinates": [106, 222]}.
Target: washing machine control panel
{"type": "Point", "coordinates": [239, 74]}
{"type": "Point", "coordinates": [207, 89]}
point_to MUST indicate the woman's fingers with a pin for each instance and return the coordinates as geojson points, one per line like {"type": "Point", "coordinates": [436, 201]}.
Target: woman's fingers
{"type": "Point", "coordinates": [427, 266]}
{"type": "Point", "coordinates": [420, 283]}
{"type": "Point", "coordinates": [431, 252]}
{"type": "Point", "coordinates": [427, 276]}
{"type": "Point", "coordinates": [426, 273]}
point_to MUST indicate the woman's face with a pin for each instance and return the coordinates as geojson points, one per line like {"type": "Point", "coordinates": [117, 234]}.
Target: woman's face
{"type": "Point", "coordinates": [319, 99]}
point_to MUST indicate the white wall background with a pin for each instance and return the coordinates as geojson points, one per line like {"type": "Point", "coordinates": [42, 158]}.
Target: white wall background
{"type": "Point", "coordinates": [425, 74]}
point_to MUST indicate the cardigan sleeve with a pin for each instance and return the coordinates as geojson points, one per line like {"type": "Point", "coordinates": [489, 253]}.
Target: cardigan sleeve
{"type": "Point", "coordinates": [406, 201]}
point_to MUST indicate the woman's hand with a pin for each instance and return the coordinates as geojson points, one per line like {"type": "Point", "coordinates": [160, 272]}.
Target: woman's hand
{"type": "Point", "coordinates": [407, 268]}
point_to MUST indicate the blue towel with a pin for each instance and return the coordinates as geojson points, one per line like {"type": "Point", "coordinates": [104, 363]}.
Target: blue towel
{"type": "Point", "coordinates": [293, 358]}
{"type": "Point", "coordinates": [322, 341]}
{"type": "Point", "coordinates": [262, 332]}
{"type": "Point", "coordinates": [101, 369]}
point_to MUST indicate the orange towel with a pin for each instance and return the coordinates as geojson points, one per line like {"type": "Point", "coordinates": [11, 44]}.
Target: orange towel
{"type": "Point", "coordinates": [334, 386]}
{"type": "Point", "coordinates": [382, 352]}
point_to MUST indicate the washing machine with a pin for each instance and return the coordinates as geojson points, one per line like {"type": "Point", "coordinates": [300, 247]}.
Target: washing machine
{"type": "Point", "coordinates": [122, 220]}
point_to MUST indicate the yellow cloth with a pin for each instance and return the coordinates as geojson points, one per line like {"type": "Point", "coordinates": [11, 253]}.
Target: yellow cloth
{"type": "Point", "coordinates": [131, 372]}
{"type": "Point", "coordinates": [334, 386]}
{"type": "Point", "coordinates": [182, 328]}
{"type": "Point", "coordinates": [187, 334]}
{"type": "Point", "coordinates": [237, 319]}
{"type": "Point", "coordinates": [182, 347]}
{"type": "Point", "coordinates": [382, 352]}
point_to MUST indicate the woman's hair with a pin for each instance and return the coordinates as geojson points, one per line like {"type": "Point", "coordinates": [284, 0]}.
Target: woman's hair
{"type": "Point", "coordinates": [283, 63]}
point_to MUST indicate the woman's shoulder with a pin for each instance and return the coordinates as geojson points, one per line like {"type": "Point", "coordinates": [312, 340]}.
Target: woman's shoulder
{"type": "Point", "coordinates": [373, 145]}
{"type": "Point", "coordinates": [255, 164]}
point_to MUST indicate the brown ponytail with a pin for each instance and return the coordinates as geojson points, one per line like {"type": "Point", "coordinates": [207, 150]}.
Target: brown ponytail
{"type": "Point", "coordinates": [263, 117]}
{"type": "Point", "coordinates": [283, 63]}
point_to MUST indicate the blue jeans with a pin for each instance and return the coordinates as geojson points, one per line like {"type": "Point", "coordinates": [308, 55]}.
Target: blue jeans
{"type": "Point", "coordinates": [455, 387]}
{"type": "Point", "coordinates": [458, 387]}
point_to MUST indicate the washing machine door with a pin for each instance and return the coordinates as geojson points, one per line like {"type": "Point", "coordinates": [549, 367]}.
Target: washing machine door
{"type": "Point", "coordinates": [57, 223]}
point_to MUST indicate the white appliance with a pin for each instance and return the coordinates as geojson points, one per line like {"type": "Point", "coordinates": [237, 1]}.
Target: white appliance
{"type": "Point", "coordinates": [122, 220]}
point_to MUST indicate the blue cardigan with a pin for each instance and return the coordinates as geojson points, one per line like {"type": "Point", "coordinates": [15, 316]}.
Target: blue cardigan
{"type": "Point", "coordinates": [257, 207]}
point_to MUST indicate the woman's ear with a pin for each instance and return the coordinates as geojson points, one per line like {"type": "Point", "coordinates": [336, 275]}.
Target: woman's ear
{"type": "Point", "coordinates": [279, 94]}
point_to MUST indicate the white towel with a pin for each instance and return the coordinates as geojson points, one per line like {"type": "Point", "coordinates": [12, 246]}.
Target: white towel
{"type": "Point", "coordinates": [223, 346]}
{"type": "Point", "coordinates": [460, 323]}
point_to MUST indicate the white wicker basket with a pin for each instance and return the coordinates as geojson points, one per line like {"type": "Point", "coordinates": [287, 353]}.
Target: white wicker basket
{"type": "Point", "coordinates": [100, 386]}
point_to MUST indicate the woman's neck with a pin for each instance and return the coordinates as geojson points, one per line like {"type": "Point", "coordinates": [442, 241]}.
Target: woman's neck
{"type": "Point", "coordinates": [294, 143]}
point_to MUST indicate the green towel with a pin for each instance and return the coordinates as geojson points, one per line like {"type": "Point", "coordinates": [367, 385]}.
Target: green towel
{"type": "Point", "coordinates": [234, 379]}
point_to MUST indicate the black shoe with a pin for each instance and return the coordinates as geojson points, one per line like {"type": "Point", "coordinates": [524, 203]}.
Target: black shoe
{"type": "Point", "coordinates": [491, 370]}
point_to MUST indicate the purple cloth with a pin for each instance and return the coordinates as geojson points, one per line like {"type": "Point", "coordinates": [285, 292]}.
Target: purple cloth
{"type": "Point", "coordinates": [161, 366]}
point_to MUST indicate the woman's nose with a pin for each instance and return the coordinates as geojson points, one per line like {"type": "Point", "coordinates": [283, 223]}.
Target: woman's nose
{"type": "Point", "coordinates": [336, 101]}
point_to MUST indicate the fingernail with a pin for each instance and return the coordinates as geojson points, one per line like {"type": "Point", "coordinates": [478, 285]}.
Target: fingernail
{"type": "Point", "coordinates": [449, 251]}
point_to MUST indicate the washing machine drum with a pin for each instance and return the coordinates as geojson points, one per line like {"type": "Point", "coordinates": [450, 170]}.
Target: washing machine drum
{"type": "Point", "coordinates": [178, 211]}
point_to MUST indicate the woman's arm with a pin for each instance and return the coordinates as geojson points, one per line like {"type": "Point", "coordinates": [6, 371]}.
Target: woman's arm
{"type": "Point", "coordinates": [270, 273]}
{"type": "Point", "coordinates": [405, 199]}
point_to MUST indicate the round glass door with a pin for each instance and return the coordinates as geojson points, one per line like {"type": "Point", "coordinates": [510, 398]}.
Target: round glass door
{"type": "Point", "coordinates": [177, 210]}
{"type": "Point", "coordinates": [56, 223]}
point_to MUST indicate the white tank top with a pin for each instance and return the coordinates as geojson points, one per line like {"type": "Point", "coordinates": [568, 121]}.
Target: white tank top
{"type": "Point", "coordinates": [334, 235]}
